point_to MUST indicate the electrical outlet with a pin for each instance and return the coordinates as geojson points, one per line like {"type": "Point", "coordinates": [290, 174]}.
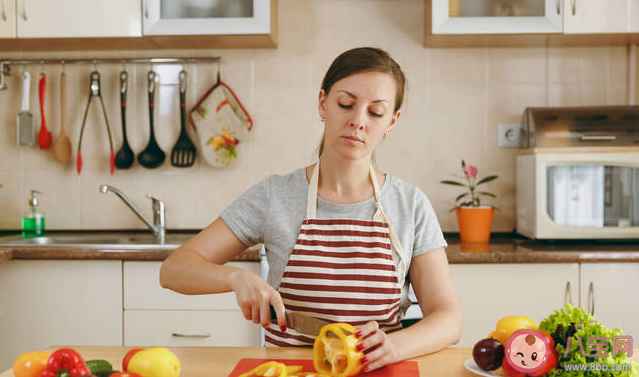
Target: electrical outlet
{"type": "Point", "coordinates": [509, 135]}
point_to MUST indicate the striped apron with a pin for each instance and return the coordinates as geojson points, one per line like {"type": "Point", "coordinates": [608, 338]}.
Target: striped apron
{"type": "Point", "coordinates": [341, 270]}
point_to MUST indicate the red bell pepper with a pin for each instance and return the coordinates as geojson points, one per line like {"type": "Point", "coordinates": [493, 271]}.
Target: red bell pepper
{"type": "Point", "coordinates": [65, 358]}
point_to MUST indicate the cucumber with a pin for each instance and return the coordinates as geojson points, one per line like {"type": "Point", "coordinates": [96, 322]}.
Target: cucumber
{"type": "Point", "coordinates": [98, 366]}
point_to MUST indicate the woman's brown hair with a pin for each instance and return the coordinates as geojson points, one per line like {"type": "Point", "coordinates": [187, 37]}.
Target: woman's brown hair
{"type": "Point", "coordinates": [364, 59]}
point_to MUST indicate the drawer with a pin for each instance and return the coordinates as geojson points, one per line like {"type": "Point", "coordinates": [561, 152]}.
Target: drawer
{"type": "Point", "coordinates": [142, 290]}
{"type": "Point", "coordinates": [202, 328]}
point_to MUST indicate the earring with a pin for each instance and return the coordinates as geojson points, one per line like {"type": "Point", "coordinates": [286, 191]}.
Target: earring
{"type": "Point", "coordinates": [322, 118]}
{"type": "Point", "coordinates": [387, 134]}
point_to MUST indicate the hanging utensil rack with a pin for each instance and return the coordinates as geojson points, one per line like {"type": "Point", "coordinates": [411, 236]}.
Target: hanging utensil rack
{"type": "Point", "coordinates": [6, 66]}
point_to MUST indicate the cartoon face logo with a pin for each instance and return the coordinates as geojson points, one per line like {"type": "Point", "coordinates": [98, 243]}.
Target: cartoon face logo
{"type": "Point", "coordinates": [527, 351]}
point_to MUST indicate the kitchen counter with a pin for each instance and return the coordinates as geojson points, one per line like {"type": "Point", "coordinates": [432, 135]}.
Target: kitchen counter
{"type": "Point", "coordinates": [501, 249]}
{"type": "Point", "coordinates": [220, 361]}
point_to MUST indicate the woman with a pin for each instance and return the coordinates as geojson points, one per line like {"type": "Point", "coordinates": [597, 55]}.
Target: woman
{"type": "Point", "coordinates": [342, 238]}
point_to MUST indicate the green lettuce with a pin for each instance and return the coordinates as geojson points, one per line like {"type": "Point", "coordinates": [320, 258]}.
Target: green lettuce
{"type": "Point", "coordinates": [573, 322]}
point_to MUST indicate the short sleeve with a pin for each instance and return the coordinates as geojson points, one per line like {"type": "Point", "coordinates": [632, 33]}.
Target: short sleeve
{"type": "Point", "coordinates": [428, 233]}
{"type": "Point", "coordinates": [246, 216]}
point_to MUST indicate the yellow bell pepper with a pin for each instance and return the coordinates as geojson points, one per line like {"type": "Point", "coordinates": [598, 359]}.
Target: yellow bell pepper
{"type": "Point", "coordinates": [268, 369]}
{"type": "Point", "coordinates": [508, 325]}
{"type": "Point", "coordinates": [334, 352]}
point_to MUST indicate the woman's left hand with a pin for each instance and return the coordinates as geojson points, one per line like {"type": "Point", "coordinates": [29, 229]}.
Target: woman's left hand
{"type": "Point", "coordinates": [378, 348]}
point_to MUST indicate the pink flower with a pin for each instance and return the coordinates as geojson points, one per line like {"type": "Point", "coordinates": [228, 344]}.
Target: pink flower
{"type": "Point", "coordinates": [470, 170]}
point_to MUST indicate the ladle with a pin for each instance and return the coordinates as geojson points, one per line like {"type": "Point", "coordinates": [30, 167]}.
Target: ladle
{"type": "Point", "coordinates": [125, 157]}
{"type": "Point", "coordinates": [152, 156]}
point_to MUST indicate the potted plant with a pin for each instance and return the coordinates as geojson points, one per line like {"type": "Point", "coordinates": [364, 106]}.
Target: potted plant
{"type": "Point", "coordinates": [474, 220]}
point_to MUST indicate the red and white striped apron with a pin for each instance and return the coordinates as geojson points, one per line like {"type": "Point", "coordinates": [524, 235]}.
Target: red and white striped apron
{"type": "Point", "coordinates": [341, 270]}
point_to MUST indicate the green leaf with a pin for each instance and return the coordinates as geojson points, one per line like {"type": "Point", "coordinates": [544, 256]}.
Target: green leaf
{"type": "Point", "coordinates": [460, 196]}
{"type": "Point", "coordinates": [463, 163]}
{"type": "Point", "coordinates": [454, 183]}
{"type": "Point", "coordinates": [488, 194]}
{"type": "Point", "coordinates": [487, 179]}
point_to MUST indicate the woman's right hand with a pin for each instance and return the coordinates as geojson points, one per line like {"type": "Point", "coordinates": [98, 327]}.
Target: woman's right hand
{"type": "Point", "coordinates": [255, 297]}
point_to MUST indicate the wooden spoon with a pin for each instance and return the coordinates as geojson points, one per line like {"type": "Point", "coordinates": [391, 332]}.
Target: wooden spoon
{"type": "Point", "coordinates": [62, 144]}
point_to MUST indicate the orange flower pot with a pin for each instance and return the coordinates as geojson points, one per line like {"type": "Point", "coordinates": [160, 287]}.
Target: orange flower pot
{"type": "Point", "coordinates": [475, 223]}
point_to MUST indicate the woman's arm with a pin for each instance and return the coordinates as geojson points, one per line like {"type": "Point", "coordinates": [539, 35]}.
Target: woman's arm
{"type": "Point", "coordinates": [442, 322]}
{"type": "Point", "coordinates": [197, 267]}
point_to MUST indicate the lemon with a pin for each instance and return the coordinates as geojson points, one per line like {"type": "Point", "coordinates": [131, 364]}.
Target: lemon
{"type": "Point", "coordinates": [508, 325]}
{"type": "Point", "coordinates": [155, 362]}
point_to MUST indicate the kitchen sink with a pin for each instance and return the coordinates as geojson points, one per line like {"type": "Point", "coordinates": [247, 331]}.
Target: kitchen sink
{"type": "Point", "coordinates": [125, 241]}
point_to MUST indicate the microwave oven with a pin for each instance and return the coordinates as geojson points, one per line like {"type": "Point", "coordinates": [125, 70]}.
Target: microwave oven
{"type": "Point", "coordinates": [570, 194]}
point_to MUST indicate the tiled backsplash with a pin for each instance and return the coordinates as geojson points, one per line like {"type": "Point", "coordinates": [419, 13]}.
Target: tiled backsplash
{"type": "Point", "coordinates": [455, 98]}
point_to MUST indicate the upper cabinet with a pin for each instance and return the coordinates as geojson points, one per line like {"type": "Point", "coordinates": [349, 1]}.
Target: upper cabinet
{"type": "Point", "coordinates": [496, 16]}
{"type": "Point", "coordinates": [597, 16]}
{"type": "Point", "coordinates": [78, 18]}
{"type": "Point", "coordinates": [633, 24]}
{"type": "Point", "coordinates": [205, 17]}
{"type": "Point", "coordinates": [7, 19]}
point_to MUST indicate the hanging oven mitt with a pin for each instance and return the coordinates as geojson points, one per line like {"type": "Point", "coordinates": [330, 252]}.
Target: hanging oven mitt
{"type": "Point", "coordinates": [221, 122]}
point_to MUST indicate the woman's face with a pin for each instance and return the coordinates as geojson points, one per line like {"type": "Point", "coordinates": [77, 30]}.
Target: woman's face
{"type": "Point", "coordinates": [358, 111]}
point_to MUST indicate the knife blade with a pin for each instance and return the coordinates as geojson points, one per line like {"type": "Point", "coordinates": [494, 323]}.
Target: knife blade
{"type": "Point", "coordinates": [301, 323]}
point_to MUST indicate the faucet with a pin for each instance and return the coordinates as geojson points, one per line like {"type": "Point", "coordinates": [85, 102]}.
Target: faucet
{"type": "Point", "coordinates": [159, 213]}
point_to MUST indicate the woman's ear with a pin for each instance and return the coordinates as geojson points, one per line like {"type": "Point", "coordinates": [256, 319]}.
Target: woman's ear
{"type": "Point", "coordinates": [395, 117]}
{"type": "Point", "coordinates": [320, 103]}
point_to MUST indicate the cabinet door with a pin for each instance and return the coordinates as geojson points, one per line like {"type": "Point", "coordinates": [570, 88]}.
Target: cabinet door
{"type": "Point", "coordinates": [202, 17]}
{"type": "Point", "coordinates": [489, 292]}
{"type": "Point", "coordinates": [633, 14]}
{"type": "Point", "coordinates": [7, 19]}
{"type": "Point", "coordinates": [595, 16]}
{"type": "Point", "coordinates": [610, 289]}
{"type": "Point", "coordinates": [79, 18]}
{"type": "Point", "coordinates": [46, 303]}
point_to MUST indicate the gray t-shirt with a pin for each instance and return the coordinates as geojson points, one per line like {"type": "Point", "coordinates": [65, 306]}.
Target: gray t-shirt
{"type": "Point", "coordinates": [271, 212]}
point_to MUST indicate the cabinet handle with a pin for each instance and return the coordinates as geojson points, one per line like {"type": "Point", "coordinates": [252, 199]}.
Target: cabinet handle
{"type": "Point", "coordinates": [146, 10]}
{"type": "Point", "coordinates": [179, 335]}
{"type": "Point", "coordinates": [567, 294]}
{"type": "Point", "coordinates": [24, 9]}
{"type": "Point", "coordinates": [558, 3]}
{"type": "Point", "coordinates": [4, 15]}
{"type": "Point", "coordinates": [591, 298]}
{"type": "Point", "coordinates": [573, 6]}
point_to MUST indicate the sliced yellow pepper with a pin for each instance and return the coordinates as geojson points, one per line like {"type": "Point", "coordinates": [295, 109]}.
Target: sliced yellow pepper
{"type": "Point", "coordinates": [268, 369]}
{"type": "Point", "coordinates": [334, 352]}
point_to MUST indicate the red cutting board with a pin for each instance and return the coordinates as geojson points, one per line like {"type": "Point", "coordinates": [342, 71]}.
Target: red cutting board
{"type": "Point", "coordinates": [402, 369]}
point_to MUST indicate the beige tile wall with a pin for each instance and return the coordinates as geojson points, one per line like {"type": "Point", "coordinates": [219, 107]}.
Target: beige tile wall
{"type": "Point", "coordinates": [455, 99]}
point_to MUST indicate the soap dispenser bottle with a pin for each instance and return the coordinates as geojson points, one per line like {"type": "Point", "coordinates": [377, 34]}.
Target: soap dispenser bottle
{"type": "Point", "coordinates": [33, 221]}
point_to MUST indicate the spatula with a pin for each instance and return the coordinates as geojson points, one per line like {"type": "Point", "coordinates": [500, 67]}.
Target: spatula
{"type": "Point", "coordinates": [44, 137]}
{"type": "Point", "coordinates": [183, 153]}
{"type": "Point", "coordinates": [25, 130]}
{"type": "Point", "coordinates": [62, 144]}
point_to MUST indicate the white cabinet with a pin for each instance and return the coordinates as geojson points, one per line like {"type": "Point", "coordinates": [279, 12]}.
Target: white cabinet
{"type": "Point", "coordinates": [157, 316]}
{"type": "Point", "coordinates": [633, 14]}
{"type": "Point", "coordinates": [596, 16]}
{"type": "Point", "coordinates": [495, 16]}
{"type": "Point", "coordinates": [7, 19]}
{"type": "Point", "coordinates": [205, 17]}
{"type": "Point", "coordinates": [45, 303]}
{"type": "Point", "coordinates": [611, 289]}
{"type": "Point", "coordinates": [78, 18]}
{"type": "Point", "coordinates": [488, 292]}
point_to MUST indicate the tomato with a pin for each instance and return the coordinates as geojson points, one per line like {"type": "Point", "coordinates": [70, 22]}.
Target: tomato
{"type": "Point", "coordinates": [509, 370]}
{"type": "Point", "coordinates": [128, 356]}
{"type": "Point", "coordinates": [30, 364]}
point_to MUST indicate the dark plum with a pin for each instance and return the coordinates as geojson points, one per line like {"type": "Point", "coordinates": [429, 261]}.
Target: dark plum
{"type": "Point", "coordinates": [488, 353]}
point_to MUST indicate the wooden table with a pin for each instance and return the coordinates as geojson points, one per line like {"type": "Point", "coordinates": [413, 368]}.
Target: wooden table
{"type": "Point", "coordinates": [220, 361]}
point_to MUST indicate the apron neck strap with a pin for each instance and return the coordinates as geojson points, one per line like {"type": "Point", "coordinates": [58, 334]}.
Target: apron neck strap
{"type": "Point", "coordinates": [311, 202]}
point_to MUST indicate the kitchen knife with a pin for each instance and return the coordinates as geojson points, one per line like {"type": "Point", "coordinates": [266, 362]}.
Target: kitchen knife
{"type": "Point", "coordinates": [300, 322]}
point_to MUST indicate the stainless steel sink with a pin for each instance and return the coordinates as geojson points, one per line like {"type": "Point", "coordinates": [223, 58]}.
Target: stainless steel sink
{"type": "Point", "coordinates": [124, 241]}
